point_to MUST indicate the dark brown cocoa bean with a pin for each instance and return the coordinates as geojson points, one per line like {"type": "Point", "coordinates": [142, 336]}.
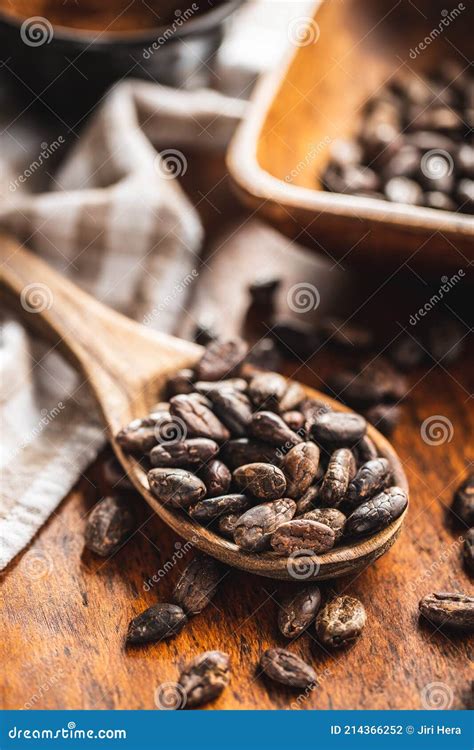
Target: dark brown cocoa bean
{"type": "Point", "coordinates": [177, 487]}
{"type": "Point", "coordinates": [139, 436]}
{"type": "Point", "coordinates": [180, 383]}
{"type": "Point", "coordinates": [302, 534]}
{"type": "Point", "coordinates": [329, 517]}
{"type": "Point", "coordinates": [204, 678]}
{"type": "Point", "coordinates": [217, 478]}
{"type": "Point", "coordinates": [266, 389]}
{"type": "Point", "coordinates": [468, 551]}
{"type": "Point", "coordinates": [377, 513]}
{"type": "Point", "coordinates": [109, 525]}
{"type": "Point", "coordinates": [255, 527]}
{"type": "Point", "coordinates": [365, 450]}
{"type": "Point", "coordinates": [294, 419]}
{"type": "Point", "coordinates": [372, 477]}
{"type": "Point", "coordinates": [244, 451]}
{"type": "Point", "coordinates": [339, 428]}
{"type": "Point", "coordinates": [228, 523]}
{"type": "Point", "coordinates": [308, 501]}
{"type": "Point", "coordinates": [292, 397]}
{"type": "Point", "coordinates": [233, 409]}
{"type": "Point", "coordinates": [463, 502]}
{"type": "Point", "coordinates": [341, 469]}
{"type": "Point", "coordinates": [453, 611]}
{"type": "Point", "coordinates": [264, 481]}
{"type": "Point", "coordinates": [312, 410]}
{"type": "Point", "coordinates": [340, 621]}
{"type": "Point", "coordinates": [198, 583]}
{"type": "Point", "coordinates": [213, 507]}
{"type": "Point", "coordinates": [221, 359]}
{"type": "Point", "coordinates": [156, 624]}
{"type": "Point", "coordinates": [199, 420]}
{"type": "Point", "coordinates": [269, 427]}
{"type": "Point", "coordinates": [300, 466]}
{"type": "Point", "coordinates": [193, 452]}
{"type": "Point", "coordinates": [297, 611]}
{"type": "Point", "coordinates": [287, 668]}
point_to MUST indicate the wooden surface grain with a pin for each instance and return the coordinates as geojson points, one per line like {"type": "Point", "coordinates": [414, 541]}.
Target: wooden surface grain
{"type": "Point", "coordinates": [65, 612]}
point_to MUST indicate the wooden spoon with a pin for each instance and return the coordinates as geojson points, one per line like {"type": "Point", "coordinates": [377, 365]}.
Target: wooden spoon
{"type": "Point", "coordinates": [126, 366]}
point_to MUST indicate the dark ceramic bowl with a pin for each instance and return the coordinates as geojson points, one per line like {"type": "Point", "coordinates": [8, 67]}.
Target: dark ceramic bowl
{"type": "Point", "coordinates": [67, 69]}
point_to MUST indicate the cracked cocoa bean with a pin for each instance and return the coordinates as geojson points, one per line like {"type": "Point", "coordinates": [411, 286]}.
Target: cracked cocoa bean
{"type": "Point", "coordinates": [302, 534]}
{"type": "Point", "coordinates": [341, 469]}
{"type": "Point", "coordinates": [287, 668]}
{"type": "Point", "coordinates": [454, 611]}
{"type": "Point", "coordinates": [228, 523]}
{"type": "Point", "coordinates": [213, 507]}
{"type": "Point", "coordinates": [156, 624]}
{"type": "Point", "coordinates": [264, 481]}
{"type": "Point", "coordinates": [204, 678]}
{"type": "Point", "coordinates": [329, 517]}
{"type": "Point", "coordinates": [177, 487]}
{"type": "Point", "coordinates": [185, 453]}
{"type": "Point", "coordinates": [298, 611]}
{"type": "Point", "coordinates": [139, 436]}
{"type": "Point", "coordinates": [340, 622]}
{"type": "Point", "coordinates": [108, 526]}
{"type": "Point", "coordinates": [254, 528]}
{"type": "Point", "coordinates": [300, 466]}
{"type": "Point", "coordinates": [377, 513]}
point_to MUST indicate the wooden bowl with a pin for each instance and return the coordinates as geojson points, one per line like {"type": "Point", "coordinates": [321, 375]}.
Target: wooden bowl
{"type": "Point", "coordinates": [282, 148]}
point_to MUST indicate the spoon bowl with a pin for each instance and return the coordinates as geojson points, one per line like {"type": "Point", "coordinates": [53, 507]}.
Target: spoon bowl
{"type": "Point", "coordinates": [126, 366]}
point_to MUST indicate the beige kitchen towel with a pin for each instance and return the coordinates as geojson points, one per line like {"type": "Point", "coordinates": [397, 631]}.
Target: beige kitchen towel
{"type": "Point", "coordinates": [118, 224]}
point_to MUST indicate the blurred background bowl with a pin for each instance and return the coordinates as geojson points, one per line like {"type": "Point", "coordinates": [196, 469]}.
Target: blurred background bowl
{"type": "Point", "coordinates": [67, 69]}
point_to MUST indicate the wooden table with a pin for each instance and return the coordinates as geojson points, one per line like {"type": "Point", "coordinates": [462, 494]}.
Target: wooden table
{"type": "Point", "coordinates": [63, 641]}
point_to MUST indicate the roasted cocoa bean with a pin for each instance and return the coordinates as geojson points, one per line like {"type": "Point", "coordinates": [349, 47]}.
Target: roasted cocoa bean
{"type": "Point", "coordinates": [197, 584]}
{"type": "Point", "coordinates": [213, 507]}
{"type": "Point", "coordinates": [221, 359]}
{"type": "Point", "coordinates": [156, 624]}
{"type": "Point", "coordinates": [109, 525]}
{"type": "Point", "coordinates": [198, 418]}
{"type": "Point", "coordinates": [453, 611]}
{"type": "Point", "coordinates": [244, 451]}
{"type": "Point", "coordinates": [377, 513]}
{"type": "Point", "coordinates": [269, 427]}
{"type": "Point", "coordinates": [294, 419]}
{"type": "Point", "coordinates": [308, 501]}
{"type": "Point", "coordinates": [139, 436]}
{"type": "Point", "coordinates": [339, 428]}
{"type": "Point", "coordinates": [365, 450]}
{"type": "Point", "coordinates": [340, 621]}
{"type": "Point", "coordinates": [264, 481]}
{"type": "Point", "coordinates": [329, 517]}
{"type": "Point", "coordinates": [287, 668]}
{"type": "Point", "coordinates": [185, 453]}
{"type": "Point", "coordinates": [341, 469]}
{"type": "Point", "coordinates": [217, 478]}
{"type": "Point", "coordinates": [297, 611]}
{"type": "Point", "coordinates": [255, 527]}
{"type": "Point", "coordinates": [177, 487]}
{"type": "Point", "coordinates": [302, 534]}
{"type": "Point", "coordinates": [204, 678]}
{"type": "Point", "coordinates": [372, 477]}
{"type": "Point", "coordinates": [228, 523]}
{"type": "Point", "coordinates": [233, 409]}
{"type": "Point", "coordinates": [266, 389]}
{"type": "Point", "coordinates": [300, 466]}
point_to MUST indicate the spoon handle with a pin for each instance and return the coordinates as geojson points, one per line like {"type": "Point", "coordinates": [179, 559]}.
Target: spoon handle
{"type": "Point", "coordinates": [121, 360]}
